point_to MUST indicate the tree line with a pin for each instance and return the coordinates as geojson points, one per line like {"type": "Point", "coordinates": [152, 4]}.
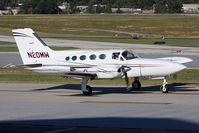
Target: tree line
{"type": "Point", "coordinates": [94, 6]}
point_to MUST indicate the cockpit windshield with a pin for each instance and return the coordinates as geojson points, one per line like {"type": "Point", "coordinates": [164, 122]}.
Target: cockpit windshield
{"type": "Point", "coordinates": [128, 55]}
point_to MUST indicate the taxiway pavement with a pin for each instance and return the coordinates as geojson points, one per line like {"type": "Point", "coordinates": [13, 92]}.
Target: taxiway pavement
{"type": "Point", "coordinates": [110, 107]}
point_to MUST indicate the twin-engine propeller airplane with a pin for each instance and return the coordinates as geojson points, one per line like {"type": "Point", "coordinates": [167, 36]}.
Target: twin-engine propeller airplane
{"type": "Point", "coordinates": [94, 64]}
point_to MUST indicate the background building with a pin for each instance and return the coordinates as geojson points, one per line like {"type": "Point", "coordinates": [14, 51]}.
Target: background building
{"type": "Point", "coordinates": [127, 10]}
{"type": "Point", "coordinates": [190, 8]}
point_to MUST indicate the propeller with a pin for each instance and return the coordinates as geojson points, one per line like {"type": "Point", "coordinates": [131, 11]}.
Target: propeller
{"type": "Point", "coordinates": [124, 70]}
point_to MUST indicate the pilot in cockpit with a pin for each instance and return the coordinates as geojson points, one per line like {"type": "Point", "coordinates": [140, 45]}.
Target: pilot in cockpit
{"type": "Point", "coordinates": [128, 55]}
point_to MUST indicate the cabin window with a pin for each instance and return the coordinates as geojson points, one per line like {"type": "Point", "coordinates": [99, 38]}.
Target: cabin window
{"type": "Point", "coordinates": [74, 58]}
{"type": "Point", "coordinates": [93, 57]}
{"type": "Point", "coordinates": [102, 56]}
{"type": "Point", "coordinates": [67, 58]}
{"type": "Point", "coordinates": [82, 57]}
{"type": "Point", "coordinates": [116, 55]}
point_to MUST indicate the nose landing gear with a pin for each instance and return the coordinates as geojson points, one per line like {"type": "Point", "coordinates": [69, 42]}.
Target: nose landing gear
{"type": "Point", "coordinates": [164, 88]}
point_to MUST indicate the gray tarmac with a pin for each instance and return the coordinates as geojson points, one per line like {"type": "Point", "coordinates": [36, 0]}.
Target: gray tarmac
{"type": "Point", "coordinates": [63, 108]}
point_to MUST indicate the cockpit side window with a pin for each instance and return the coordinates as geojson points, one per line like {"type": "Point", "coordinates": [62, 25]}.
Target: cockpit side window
{"type": "Point", "coordinates": [128, 55]}
{"type": "Point", "coordinates": [116, 55]}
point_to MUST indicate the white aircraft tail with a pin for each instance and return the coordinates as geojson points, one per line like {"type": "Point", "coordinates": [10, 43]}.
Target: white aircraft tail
{"type": "Point", "coordinates": [31, 48]}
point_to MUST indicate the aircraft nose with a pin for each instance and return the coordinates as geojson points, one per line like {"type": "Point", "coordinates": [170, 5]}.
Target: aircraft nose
{"type": "Point", "coordinates": [177, 67]}
{"type": "Point", "coordinates": [160, 68]}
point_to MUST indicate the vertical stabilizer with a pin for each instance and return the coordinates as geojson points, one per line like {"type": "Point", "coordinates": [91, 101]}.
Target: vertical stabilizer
{"type": "Point", "coordinates": [31, 48]}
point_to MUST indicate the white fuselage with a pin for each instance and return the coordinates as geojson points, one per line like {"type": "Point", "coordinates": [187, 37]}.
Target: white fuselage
{"type": "Point", "coordinates": [104, 65]}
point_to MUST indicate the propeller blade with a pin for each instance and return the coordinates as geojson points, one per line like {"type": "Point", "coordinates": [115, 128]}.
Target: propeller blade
{"type": "Point", "coordinates": [124, 70]}
{"type": "Point", "coordinates": [126, 79]}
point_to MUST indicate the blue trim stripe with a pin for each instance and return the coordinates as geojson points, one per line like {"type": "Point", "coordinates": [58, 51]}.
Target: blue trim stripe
{"type": "Point", "coordinates": [16, 34]}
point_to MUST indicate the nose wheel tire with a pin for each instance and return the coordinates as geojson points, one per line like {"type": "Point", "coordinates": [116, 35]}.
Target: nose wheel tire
{"type": "Point", "coordinates": [136, 85]}
{"type": "Point", "coordinates": [89, 92]}
{"type": "Point", "coordinates": [164, 89]}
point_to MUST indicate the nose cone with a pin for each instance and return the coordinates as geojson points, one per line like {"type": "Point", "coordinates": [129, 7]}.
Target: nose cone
{"type": "Point", "coordinates": [175, 67]}
{"type": "Point", "coordinates": [159, 68]}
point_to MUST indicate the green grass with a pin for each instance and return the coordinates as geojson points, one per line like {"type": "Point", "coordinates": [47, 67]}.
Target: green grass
{"type": "Point", "coordinates": [8, 49]}
{"type": "Point", "coordinates": [171, 41]}
{"type": "Point", "coordinates": [5, 43]}
{"type": "Point", "coordinates": [15, 49]}
{"type": "Point", "coordinates": [62, 48]}
{"type": "Point", "coordinates": [75, 25]}
{"type": "Point", "coordinates": [19, 75]}
{"type": "Point", "coordinates": [99, 27]}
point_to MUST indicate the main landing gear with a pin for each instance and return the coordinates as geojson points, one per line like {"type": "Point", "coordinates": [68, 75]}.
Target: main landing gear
{"type": "Point", "coordinates": [86, 89]}
{"type": "Point", "coordinates": [136, 85]}
{"type": "Point", "coordinates": [88, 92]}
{"type": "Point", "coordinates": [164, 88]}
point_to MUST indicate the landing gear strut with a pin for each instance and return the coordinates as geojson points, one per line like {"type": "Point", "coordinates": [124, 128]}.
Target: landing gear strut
{"type": "Point", "coordinates": [164, 88]}
{"type": "Point", "coordinates": [136, 85]}
{"type": "Point", "coordinates": [87, 90]}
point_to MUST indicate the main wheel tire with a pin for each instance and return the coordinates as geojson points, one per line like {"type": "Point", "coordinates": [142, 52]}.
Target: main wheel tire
{"type": "Point", "coordinates": [89, 93]}
{"type": "Point", "coordinates": [164, 89]}
{"type": "Point", "coordinates": [136, 85]}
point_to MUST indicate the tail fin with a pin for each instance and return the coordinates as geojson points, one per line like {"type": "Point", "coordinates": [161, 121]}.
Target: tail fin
{"type": "Point", "coordinates": [31, 48]}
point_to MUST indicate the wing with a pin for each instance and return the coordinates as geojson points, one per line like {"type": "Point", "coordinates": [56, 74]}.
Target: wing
{"type": "Point", "coordinates": [94, 72]}
{"type": "Point", "coordinates": [22, 65]}
{"type": "Point", "coordinates": [80, 75]}
{"type": "Point", "coordinates": [180, 60]}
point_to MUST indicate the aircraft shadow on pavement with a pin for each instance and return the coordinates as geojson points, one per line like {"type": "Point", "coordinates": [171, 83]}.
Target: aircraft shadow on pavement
{"type": "Point", "coordinates": [109, 124]}
{"type": "Point", "coordinates": [107, 90]}
{"type": "Point", "coordinates": [61, 87]}
{"type": "Point", "coordinates": [172, 87]}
